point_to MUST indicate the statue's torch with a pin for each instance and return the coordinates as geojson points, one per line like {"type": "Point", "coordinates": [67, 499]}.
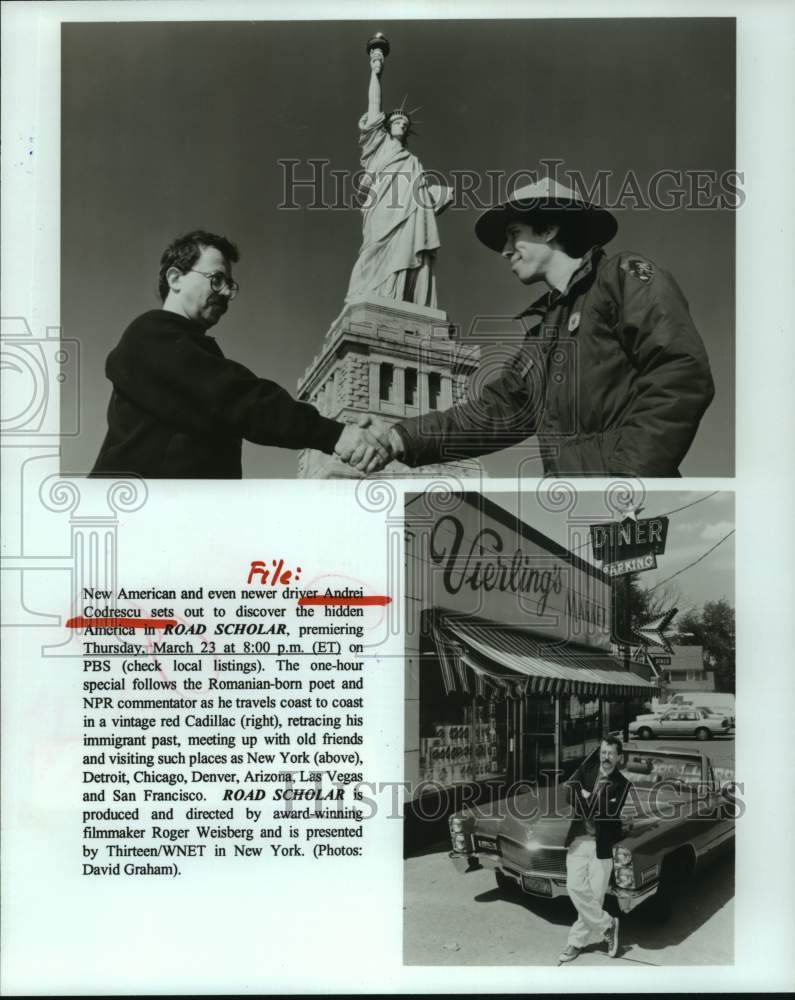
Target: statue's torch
{"type": "Point", "coordinates": [377, 50]}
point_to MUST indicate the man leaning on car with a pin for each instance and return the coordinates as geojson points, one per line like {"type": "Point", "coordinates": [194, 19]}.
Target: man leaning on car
{"type": "Point", "coordinates": [597, 802]}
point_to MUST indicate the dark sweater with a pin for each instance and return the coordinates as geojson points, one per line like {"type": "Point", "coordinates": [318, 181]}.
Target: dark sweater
{"type": "Point", "coordinates": [180, 409]}
{"type": "Point", "coordinates": [599, 815]}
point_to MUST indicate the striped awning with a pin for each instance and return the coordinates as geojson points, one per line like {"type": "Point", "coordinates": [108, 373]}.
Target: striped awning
{"type": "Point", "coordinates": [512, 662]}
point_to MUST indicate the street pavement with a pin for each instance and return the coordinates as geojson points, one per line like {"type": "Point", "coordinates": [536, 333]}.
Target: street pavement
{"type": "Point", "coordinates": [452, 919]}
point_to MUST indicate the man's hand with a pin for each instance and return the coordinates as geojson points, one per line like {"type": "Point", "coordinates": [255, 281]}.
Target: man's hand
{"type": "Point", "coordinates": [360, 449]}
{"type": "Point", "coordinates": [369, 445]}
{"type": "Point", "coordinates": [387, 437]}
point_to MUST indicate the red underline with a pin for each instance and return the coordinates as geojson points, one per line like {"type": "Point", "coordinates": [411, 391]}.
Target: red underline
{"type": "Point", "coordinates": [120, 622]}
{"type": "Point", "coordinates": [356, 602]}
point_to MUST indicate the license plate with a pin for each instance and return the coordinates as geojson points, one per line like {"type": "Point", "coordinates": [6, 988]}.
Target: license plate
{"type": "Point", "coordinates": [485, 844]}
{"type": "Point", "coordinates": [540, 886]}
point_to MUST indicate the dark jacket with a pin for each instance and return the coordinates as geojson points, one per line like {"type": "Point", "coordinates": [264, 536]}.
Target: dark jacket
{"type": "Point", "coordinates": [614, 380]}
{"type": "Point", "coordinates": [180, 409]}
{"type": "Point", "coordinates": [602, 810]}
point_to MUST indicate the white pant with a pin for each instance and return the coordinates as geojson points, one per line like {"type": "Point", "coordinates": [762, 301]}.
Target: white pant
{"type": "Point", "coordinates": [587, 878]}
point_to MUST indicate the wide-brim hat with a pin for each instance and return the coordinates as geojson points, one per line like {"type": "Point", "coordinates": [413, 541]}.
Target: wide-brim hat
{"type": "Point", "coordinates": [592, 225]}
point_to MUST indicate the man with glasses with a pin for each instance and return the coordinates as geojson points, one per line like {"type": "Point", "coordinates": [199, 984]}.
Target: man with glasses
{"type": "Point", "coordinates": [181, 409]}
{"type": "Point", "coordinates": [597, 797]}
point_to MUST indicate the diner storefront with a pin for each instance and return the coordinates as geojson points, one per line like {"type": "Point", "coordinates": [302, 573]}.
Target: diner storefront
{"type": "Point", "coordinates": [510, 672]}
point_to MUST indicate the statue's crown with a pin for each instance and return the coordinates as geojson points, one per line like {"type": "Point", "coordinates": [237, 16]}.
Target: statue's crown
{"type": "Point", "coordinates": [403, 112]}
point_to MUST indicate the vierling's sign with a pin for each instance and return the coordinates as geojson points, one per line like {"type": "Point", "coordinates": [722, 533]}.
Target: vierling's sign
{"type": "Point", "coordinates": [482, 567]}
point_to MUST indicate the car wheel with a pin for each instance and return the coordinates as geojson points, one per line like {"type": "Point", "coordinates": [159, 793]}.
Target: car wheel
{"type": "Point", "coordinates": [674, 874]}
{"type": "Point", "coordinates": [702, 733]}
{"type": "Point", "coordinates": [645, 733]}
{"type": "Point", "coordinates": [504, 884]}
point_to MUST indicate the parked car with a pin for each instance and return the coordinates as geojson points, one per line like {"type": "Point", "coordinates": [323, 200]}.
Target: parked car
{"type": "Point", "coordinates": [676, 817]}
{"type": "Point", "coordinates": [718, 713]}
{"type": "Point", "coordinates": [714, 701]}
{"type": "Point", "coordinates": [685, 720]}
{"type": "Point", "coordinates": [663, 707]}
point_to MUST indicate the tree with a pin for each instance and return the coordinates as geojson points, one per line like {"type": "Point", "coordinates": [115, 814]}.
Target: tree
{"type": "Point", "coordinates": [712, 627]}
{"type": "Point", "coordinates": [644, 604]}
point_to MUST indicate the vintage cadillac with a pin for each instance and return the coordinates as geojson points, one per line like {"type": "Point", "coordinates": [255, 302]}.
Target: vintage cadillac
{"type": "Point", "coordinates": [676, 817]}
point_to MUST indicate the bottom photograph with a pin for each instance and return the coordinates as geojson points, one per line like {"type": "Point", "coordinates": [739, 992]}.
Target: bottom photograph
{"type": "Point", "coordinates": [569, 728]}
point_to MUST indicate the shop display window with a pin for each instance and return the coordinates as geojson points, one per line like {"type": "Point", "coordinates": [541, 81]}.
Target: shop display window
{"type": "Point", "coordinates": [538, 737]}
{"type": "Point", "coordinates": [580, 727]}
{"type": "Point", "coordinates": [463, 737]}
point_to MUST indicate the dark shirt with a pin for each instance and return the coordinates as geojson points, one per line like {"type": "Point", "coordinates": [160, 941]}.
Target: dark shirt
{"type": "Point", "coordinates": [598, 815]}
{"type": "Point", "coordinates": [180, 409]}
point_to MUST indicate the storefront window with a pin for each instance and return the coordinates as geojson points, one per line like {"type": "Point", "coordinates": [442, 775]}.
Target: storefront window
{"type": "Point", "coordinates": [581, 727]}
{"type": "Point", "coordinates": [538, 752]}
{"type": "Point", "coordinates": [470, 748]}
{"type": "Point", "coordinates": [463, 737]}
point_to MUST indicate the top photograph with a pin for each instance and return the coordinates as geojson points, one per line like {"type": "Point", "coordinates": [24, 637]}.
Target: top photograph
{"type": "Point", "coordinates": [343, 249]}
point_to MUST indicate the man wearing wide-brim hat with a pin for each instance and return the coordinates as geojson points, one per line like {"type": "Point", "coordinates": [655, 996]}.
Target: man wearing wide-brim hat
{"type": "Point", "coordinates": [614, 379]}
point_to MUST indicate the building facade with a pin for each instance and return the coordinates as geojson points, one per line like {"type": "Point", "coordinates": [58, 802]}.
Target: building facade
{"type": "Point", "coordinates": [686, 671]}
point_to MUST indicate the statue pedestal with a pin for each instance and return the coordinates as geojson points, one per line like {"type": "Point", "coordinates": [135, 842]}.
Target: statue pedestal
{"type": "Point", "coordinates": [391, 359]}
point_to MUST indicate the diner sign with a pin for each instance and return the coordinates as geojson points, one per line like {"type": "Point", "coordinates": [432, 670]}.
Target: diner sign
{"type": "Point", "coordinates": [635, 565]}
{"type": "Point", "coordinates": [629, 546]}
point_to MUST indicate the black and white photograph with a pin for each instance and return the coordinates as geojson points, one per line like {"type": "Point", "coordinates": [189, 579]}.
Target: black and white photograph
{"type": "Point", "coordinates": [400, 248]}
{"type": "Point", "coordinates": [570, 725]}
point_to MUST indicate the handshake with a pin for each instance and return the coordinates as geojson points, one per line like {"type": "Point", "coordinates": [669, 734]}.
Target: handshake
{"type": "Point", "coordinates": [369, 445]}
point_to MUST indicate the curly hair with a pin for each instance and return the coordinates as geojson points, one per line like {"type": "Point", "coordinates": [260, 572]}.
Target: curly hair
{"type": "Point", "coordinates": [184, 251]}
{"type": "Point", "coordinates": [612, 740]}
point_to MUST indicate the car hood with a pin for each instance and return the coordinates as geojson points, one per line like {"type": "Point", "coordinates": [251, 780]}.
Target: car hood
{"type": "Point", "coordinates": [545, 814]}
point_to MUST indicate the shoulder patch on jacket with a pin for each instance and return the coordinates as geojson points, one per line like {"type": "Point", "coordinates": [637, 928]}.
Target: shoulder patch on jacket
{"type": "Point", "coordinates": [643, 270]}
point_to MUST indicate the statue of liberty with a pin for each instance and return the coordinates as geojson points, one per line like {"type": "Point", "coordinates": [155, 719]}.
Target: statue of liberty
{"type": "Point", "coordinates": [400, 236]}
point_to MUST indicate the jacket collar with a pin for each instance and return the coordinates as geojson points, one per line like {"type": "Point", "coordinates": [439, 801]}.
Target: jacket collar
{"type": "Point", "coordinates": [550, 298]}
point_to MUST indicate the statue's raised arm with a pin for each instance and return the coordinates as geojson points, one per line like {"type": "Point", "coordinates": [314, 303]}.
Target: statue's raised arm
{"type": "Point", "coordinates": [400, 236]}
{"type": "Point", "coordinates": [377, 59]}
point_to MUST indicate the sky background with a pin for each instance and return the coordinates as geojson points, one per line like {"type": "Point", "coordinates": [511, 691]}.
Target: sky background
{"type": "Point", "coordinates": [690, 533]}
{"type": "Point", "coordinates": [168, 127]}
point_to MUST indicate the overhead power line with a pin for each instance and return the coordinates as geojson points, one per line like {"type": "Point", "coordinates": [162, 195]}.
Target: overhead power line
{"type": "Point", "coordinates": [682, 570]}
{"type": "Point", "coordinates": [692, 504]}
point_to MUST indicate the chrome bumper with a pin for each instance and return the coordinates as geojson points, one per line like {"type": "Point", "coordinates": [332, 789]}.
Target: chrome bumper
{"type": "Point", "coordinates": [627, 899]}
{"type": "Point", "coordinates": [557, 883]}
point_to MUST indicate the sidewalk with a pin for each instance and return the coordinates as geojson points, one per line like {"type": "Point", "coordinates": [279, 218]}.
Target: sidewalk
{"type": "Point", "coordinates": [452, 919]}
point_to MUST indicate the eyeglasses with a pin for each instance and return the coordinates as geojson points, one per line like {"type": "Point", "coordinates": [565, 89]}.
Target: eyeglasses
{"type": "Point", "coordinates": [219, 282]}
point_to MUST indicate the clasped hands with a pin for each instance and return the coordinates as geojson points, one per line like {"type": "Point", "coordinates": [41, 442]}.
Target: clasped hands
{"type": "Point", "coordinates": [368, 445]}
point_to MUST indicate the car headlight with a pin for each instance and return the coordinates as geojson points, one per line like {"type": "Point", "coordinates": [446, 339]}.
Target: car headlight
{"type": "Point", "coordinates": [625, 877]}
{"type": "Point", "coordinates": [622, 856]}
{"type": "Point", "coordinates": [459, 842]}
{"type": "Point", "coordinates": [456, 824]}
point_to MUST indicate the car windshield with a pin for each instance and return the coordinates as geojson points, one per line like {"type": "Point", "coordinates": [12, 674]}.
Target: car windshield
{"type": "Point", "coordinates": [648, 769]}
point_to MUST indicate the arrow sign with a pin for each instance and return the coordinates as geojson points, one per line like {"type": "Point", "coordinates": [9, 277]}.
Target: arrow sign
{"type": "Point", "coordinates": [656, 633]}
